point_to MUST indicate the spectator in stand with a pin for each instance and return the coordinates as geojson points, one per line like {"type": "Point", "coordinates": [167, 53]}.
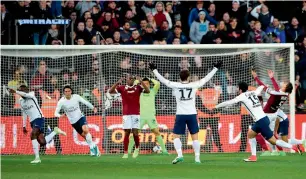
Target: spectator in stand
{"type": "Point", "coordinates": [56, 9]}
{"type": "Point", "coordinates": [300, 65]}
{"type": "Point", "coordinates": [136, 11]}
{"type": "Point", "coordinates": [117, 38]}
{"type": "Point", "coordinates": [278, 29]}
{"type": "Point", "coordinates": [65, 78]}
{"type": "Point", "coordinates": [86, 15]}
{"type": "Point", "coordinates": [90, 28]}
{"type": "Point", "coordinates": [149, 7]}
{"type": "Point", "coordinates": [301, 14]}
{"type": "Point", "coordinates": [169, 11]}
{"type": "Point", "coordinates": [112, 7]}
{"type": "Point", "coordinates": [151, 21]}
{"type": "Point", "coordinates": [166, 33]}
{"type": "Point", "coordinates": [81, 33]}
{"type": "Point", "coordinates": [302, 48]}
{"type": "Point", "coordinates": [108, 18]}
{"type": "Point", "coordinates": [212, 11]}
{"type": "Point", "coordinates": [95, 14]}
{"type": "Point", "coordinates": [261, 12]}
{"type": "Point", "coordinates": [16, 81]}
{"type": "Point", "coordinates": [148, 37]}
{"type": "Point", "coordinates": [212, 36]}
{"type": "Point", "coordinates": [222, 31]}
{"type": "Point", "coordinates": [234, 33]}
{"type": "Point", "coordinates": [84, 6]}
{"type": "Point", "coordinates": [76, 83]}
{"type": "Point", "coordinates": [143, 26]}
{"type": "Point", "coordinates": [257, 35]}
{"type": "Point", "coordinates": [161, 16]}
{"type": "Point", "coordinates": [128, 18]}
{"type": "Point", "coordinates": [176, 41]}
{"type": "Point", "coordinates": [294, 32]}
{"type": "Point", "coordinates": [135, 39]}
{"type": "Point", "coordinates": [109, 41]}
{"type": "Point", "coordinates": [125, 33]}
{"type": "Point", "coordinates": [199, 28]}
{"type": "Point", "coordinates": [179, 34]}
{"type": "Point", "coordinates": [6, 25]}
{"type": "Point", "coordinates": [194, 14]}
{"type": "Point", "coordinates": [68, 8]}
{"type": "Point", "coordinates": [54, 33]}
{"type": "Point", "coordinates": [40, 32]}
{"type": "Point", "coordinates": [227, 20]}
{"type": "Point", "coordinates": [80, 41]}
{"type": "Point", "coordinates": [24, 31]}
{"type": "Point", "coordinates": [94, 40]}
{"type": "Point", "coordinates": [106, 32]}
{"type": "Point", "coordinates": [239, 11]}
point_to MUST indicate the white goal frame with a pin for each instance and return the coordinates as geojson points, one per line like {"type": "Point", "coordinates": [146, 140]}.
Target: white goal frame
{"type": "Point", "coordinates": [169, 47]}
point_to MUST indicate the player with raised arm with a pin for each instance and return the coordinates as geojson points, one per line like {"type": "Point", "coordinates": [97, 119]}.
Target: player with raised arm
{"type": "Point", "coordinates": [279, 120]}
{"type": "Point", "coordinates": [130, 94]}
{"type": "Point", "coordinates": [251, 102]}
{"type": "Point", "coordinates": [147, 113]}
{"type": "Point", "coordinates": [70, 103]}
{"type": "Point", "coordinates": [186, 112]}
{"type": "Point", "coordinates": [29, 107]}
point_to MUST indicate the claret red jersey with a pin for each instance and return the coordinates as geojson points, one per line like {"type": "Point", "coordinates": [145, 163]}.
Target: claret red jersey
{"type": "Point", "coordinates": [130, 99]}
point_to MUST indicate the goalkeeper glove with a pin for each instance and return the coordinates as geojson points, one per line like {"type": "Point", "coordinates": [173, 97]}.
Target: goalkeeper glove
{"type": "Point", "coordinates": [218, 64]}
{"type": "Point", "coordinates": [152, 66]}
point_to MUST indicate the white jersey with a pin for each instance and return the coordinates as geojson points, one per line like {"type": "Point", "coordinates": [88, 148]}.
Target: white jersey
{"type": "Point", "coordinates": [185, 93]}
{"type": "Point", "coordinates": [71, 107]}
{"type": "Point", "coordinates": [29, 106]}
{"type": "Point", "coordinates": [251, 102]}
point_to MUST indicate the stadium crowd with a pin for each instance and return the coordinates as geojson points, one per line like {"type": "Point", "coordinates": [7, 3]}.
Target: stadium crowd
{"type": "Point", "coordinates": [165, 22]}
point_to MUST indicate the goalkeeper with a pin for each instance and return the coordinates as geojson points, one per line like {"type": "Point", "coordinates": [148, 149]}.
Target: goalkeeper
{"type": "Point", "coordinates": [147, 113]}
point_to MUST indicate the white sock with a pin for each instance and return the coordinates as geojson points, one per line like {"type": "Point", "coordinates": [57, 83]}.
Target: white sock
{"type": "Point", "coordinates": [89, 141]}
{"type": "Point", "coordinates": [295, 141]}
{"type": "Point", "coordinates": [50, 136]}
{"type": "Point", "coordinates": [273, 147]}
{"type": "Point", "coordinates": [196, 148]}
{"type": "Point", "coordinates": [283, 144]}
{"type": "Point", "coordinates": [178, 147]}
{"type": "Point", "coordinates": [35, 146]}
{"type": "Point", "coordinates": [253, 144]}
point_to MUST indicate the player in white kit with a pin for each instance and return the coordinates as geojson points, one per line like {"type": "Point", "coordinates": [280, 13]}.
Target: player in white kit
{"type": "Point", "coordinates": [251, 102]}
{"type": "Point", "coordinates": [70, 104]}
{"type": "Point", "coordinates": [186, 113]}
{"type": "Point", "coordinates": [29, 107]}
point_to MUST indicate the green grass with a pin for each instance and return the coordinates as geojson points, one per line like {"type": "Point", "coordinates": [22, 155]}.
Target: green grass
{"type": "Point", "coordinates": [214, 166]}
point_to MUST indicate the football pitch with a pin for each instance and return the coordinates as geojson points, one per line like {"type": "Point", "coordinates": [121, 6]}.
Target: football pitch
{"type": "Point", "coordinates": [214, 166]}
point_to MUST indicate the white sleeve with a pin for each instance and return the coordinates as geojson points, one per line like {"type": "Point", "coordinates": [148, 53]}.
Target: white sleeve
{"type": "Point", "coordinates": [254, 12]}
{"type": "Point", "coordinates": [82, 100]}
{"type": "Point", "coordinates": [58, 108]}
{"type": "Point", "coordinates": [259, 90]}
{"type": "Point", "coordinates": [163, 80]}
{"type": "Point", "coordinates": [204, 80]}
{"type": "Point", "coordinates": [169, 20]}
{"type": "Point", "coordinates": [230, 102]}
{"type": "Point", "coordinates": [26, 95]}
{"type": "Point", "coordinates": [24, 119]}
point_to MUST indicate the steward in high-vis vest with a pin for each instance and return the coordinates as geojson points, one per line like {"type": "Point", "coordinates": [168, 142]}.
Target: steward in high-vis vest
{"type": "Point", "coordinates": [206, 100]}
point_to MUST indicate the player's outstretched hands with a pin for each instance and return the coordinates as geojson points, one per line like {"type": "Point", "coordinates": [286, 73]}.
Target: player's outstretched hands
{"type": "Point", "coordinates": [254, 74]}
{"type": "Point", "coordinates": [218, 64]}
{"type": "Point", "coordinates": [271, 73]}
{"type": "Point", "coordinates": [24, 130]}
{"type": "Point", "coordinates": [152, 66]}
{"type": "Point", "coordinates": [12, 91]}
{"type": "Point", "coordinates": [120, 80]}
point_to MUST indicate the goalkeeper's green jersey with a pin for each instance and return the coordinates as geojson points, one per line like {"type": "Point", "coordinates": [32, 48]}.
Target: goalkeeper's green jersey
{"type": "Point", "coordinates": [147, 102]}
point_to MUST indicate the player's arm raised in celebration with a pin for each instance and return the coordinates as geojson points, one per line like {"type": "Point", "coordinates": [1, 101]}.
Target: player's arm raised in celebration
{"type": "Point", "coordinates": [23, 94]}
{"type": "Point", "coordinates": [112, 90]}
{"type": "Point", "coordinates": [204, 80]}
{"type": "Point", "coordinates": [163, 80]}
{"type": "Point", "coordinates": [271, 75]}
{"type": "Point", "coordinates": [229, 102]}
{"type": "Point", "coordinates": [88, 104]}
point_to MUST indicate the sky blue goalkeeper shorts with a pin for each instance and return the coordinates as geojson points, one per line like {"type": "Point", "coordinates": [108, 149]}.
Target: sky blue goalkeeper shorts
{"type": "Point", "coordinates": [182, 120]}
{"type": "Point", "coordinates": [262, 126]}
{"type": "Point", "coordinates": [38, 123]}
{"type": "Point", "coordinates": [78, 125]}
{"type": "Point", "coordinates": [283, 127]}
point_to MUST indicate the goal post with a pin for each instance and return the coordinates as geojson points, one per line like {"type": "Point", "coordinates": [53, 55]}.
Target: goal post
{"type": "Point", "coordinates": [91, 70]}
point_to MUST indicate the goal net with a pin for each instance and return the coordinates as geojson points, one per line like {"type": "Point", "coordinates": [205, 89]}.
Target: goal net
{"type": "Point", "coordinates": [91, 71]}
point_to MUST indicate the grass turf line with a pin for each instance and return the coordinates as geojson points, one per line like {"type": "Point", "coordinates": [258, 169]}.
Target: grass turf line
{"type": "Point", "coordinates": [214, 166]}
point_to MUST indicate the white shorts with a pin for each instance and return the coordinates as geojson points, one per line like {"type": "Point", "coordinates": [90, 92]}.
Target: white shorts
{"type": "Point", "coordinates": [131, 122]}
{"type": "Point", "coordinates": [281, 115]}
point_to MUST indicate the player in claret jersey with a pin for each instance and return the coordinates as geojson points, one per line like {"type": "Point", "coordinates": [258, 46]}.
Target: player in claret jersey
{"type": "Point", "coordinates": [70, 104]}
{"type": "Point", "coordinates": [279, 120]}
{"type": "Point", "coordinates": [186, 113]}
{"type": "Point", "coordinates": [130, 95]}
{"type": "Point", "coordinates": [251, 102]}
{"type": "Point", "coordinates": [29, 107]}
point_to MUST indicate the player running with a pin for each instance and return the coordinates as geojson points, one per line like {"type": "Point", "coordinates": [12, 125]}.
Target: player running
{"type": "Point", "coordinates": [29, 107]}
{"type": "Point", "coordinates": [273, 110]}
{"type": "Point", "coordinates": [70, 104]}
{"type": "Point", "coordinates": [251, 102]}
{"type": "Point", "coordinates": [130, 94]}
{"type": "Point", "coordinates": [186, 113]}
{"type": "Point", "coordinates": [147, 113]}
